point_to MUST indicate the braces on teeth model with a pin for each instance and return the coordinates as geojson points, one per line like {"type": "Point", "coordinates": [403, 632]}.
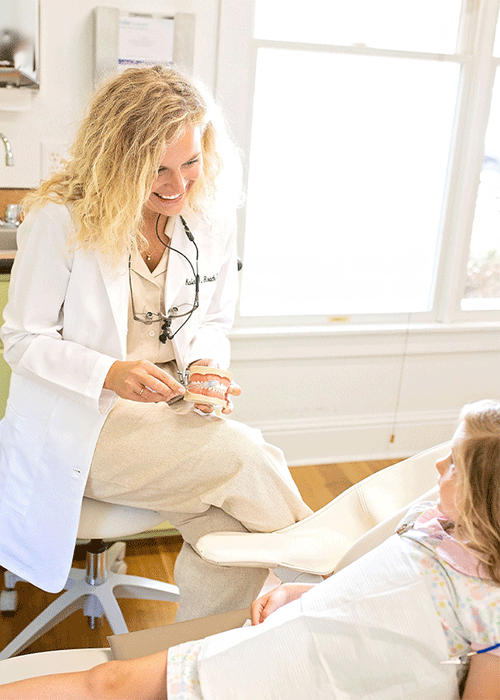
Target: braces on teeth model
{"type": "Point", "coordinates": [208, 385]}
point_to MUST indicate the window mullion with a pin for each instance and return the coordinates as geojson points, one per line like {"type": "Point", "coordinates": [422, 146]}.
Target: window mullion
{"type": "Point", "coordinates": [467, 31]}
{"type": "Point", "coordinates": [235, 75]}
{"type": "Point", "coordinates": [236, 83]}
{"type": "Point", "coordinates": [474, 100]}
{"type": "Point", "coordinates": [355, 50]}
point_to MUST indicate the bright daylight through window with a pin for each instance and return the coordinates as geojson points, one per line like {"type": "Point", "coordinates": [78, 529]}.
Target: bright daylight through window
{"type": "Point", "coordinates": [482, 288]}
{"type": "Point", "coordinates": [356, 122]}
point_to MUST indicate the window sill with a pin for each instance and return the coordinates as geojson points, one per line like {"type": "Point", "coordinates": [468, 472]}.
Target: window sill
{"type": "Point", "coordinates": [363, 340]}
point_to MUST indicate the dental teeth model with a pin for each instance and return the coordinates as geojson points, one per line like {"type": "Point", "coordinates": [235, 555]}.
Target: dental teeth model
{"type": "Point", "coordinates": [208, 385]}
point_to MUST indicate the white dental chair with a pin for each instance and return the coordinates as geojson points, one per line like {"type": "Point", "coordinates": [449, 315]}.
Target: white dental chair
{"type": "Point", "coordinates": [96, 588]}
{"type": "Point", "coordinates": [355, 522]}
{"type": "Point", "coordinates": [350, 525]}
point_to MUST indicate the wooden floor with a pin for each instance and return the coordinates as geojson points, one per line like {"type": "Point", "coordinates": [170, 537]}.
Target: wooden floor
{"type": "Point", "coordinates": [155, 558]}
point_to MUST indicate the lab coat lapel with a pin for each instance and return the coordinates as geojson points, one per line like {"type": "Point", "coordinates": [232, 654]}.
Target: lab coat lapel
{"type": "Point", "coordinates": [117, 288]}
{"type": "Point", "coordinates": [179, 270]}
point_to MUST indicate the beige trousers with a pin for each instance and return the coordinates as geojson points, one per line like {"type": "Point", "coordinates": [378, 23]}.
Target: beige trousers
{"type": "Point", "coordinates": [209, 474]}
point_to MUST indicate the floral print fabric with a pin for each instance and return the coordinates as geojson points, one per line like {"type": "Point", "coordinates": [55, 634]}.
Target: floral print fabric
{"type": "Point", "coordinates": [182, 672]}
{"type": "Point", "coordinates": [468, 605]}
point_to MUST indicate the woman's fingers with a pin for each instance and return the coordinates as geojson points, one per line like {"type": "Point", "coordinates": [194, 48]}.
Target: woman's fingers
{"type": "Point", "coordinates": [158, 385]}
{"type": "Point", "coordinates": [229, 407]}
{"type": "Point", "coordinates": [204, 362]}
{"type": "Point", "coordinates": [204, 407]}
{"type": "Point", "coordinates": [141, 380]}
{"type": "Point", "coordinates": [234, 389]}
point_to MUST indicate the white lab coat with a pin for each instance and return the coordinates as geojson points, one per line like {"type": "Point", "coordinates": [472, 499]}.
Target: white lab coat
{"type": "Point", "coordinates": [65, 325]}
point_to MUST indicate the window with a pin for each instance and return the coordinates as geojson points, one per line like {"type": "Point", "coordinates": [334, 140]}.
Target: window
{"type": "Point", "coordinates": [370, 168]}
{"type": "Point", "coordinates": [482, 288]}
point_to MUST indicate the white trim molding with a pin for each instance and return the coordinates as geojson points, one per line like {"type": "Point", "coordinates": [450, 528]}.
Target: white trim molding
{"type": "Point", "coordinates": [363, 341]}
{"type": "Point", "coordinates": [360, 437]}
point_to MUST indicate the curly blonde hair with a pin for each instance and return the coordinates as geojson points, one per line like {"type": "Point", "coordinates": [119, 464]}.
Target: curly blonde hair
{"type": "Point", "coordinates": [119, 146]}
{"type": "Point", "coordinates": [478, 498]}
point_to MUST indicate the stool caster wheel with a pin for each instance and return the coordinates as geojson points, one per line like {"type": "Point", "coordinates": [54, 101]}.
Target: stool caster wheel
{"type": "Point", "coordinates": [8, 602]}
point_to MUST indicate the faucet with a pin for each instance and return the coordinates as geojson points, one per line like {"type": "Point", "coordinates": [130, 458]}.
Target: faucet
{"type": "Point", "coordinates": [9, 156]}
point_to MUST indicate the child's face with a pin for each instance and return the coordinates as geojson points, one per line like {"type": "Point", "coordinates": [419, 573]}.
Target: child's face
{"type": "Point", "coordinates": [448, 476]}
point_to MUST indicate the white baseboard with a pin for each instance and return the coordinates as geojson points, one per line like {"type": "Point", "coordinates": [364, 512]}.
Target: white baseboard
{"type": "Point", "coordinates": [359, 438]}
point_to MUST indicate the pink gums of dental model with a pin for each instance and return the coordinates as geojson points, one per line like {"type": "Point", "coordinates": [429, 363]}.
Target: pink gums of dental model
{"type": "Point", "coordinates": [208, 385]}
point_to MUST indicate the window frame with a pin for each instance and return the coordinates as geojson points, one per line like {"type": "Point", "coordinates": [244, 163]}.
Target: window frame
{"type": "Point", "coordinates": [235, 80]}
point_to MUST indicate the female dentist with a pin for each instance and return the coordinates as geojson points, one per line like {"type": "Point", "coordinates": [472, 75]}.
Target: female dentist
{"type": "Point", "coordinates": [125, 276]}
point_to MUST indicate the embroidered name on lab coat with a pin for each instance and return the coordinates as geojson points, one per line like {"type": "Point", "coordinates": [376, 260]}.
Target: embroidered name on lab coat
{"type": "Point", "coordinates": [205, 278]}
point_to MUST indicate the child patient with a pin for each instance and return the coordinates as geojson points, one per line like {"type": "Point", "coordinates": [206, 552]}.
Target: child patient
{"type": "Point", "coordinates": [447, 556]}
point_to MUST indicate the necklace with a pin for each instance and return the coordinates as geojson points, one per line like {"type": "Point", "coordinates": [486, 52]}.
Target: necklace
{"type": "Point", "coordinates": [175, 312]}
{"type": "Point", "coordinates": [153, 245]}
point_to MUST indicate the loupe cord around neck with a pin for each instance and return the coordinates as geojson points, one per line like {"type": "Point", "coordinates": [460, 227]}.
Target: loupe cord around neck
{"type": "Point", "coordinates": [166, 332]}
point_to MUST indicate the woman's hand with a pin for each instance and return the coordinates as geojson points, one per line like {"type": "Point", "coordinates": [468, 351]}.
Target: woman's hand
{"type": "Point", "coordinates": [141, 380]}
{"type": "Point", "coordinates": [234, 389]}
{"type": "Point", "coordinates": [269, 602]}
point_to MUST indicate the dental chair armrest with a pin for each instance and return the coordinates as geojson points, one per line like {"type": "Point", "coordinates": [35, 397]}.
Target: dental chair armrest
{"type": "Point", "coordinates": [312, 545]}
{"type": "Point", "coordinates": [309, 550]}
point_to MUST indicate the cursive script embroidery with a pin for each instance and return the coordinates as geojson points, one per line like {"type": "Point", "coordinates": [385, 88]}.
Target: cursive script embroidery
{"type": "Point", "coordinates": [212, 278]}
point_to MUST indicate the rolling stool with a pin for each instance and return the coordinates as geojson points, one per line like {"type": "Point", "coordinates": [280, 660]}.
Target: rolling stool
{"type": "Point", "coordinates": [95, 588]}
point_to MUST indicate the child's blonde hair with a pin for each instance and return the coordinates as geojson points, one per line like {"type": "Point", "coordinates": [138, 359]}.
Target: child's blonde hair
{"type": "Point", "coordinates": [478, 498]}
{"type": "Point", "coordinates": [115, 157]}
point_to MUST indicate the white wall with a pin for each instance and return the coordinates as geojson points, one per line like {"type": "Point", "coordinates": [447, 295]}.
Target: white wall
{"type": "Point", "coordinates": [320, 394]}
{"type": "Point", "coordinates": [330, 395]}
{"type": "Point", "coordinates": [66, 75]}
